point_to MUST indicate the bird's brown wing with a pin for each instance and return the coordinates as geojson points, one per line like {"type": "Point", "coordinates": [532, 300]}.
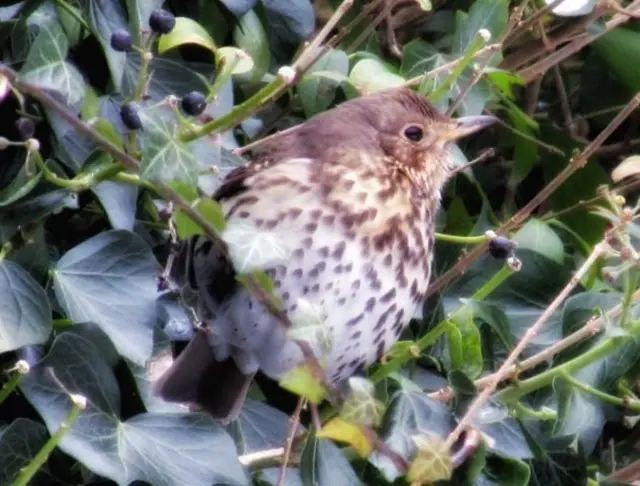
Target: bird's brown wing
{"type": "Point", "coordinates": [195, 377]}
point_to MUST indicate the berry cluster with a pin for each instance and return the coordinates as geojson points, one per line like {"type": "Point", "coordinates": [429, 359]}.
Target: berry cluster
{"type": "Point", "coordinates": [160, 22]}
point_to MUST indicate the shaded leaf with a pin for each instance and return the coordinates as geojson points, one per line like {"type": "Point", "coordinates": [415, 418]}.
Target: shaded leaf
{"type": "Point", "coordinates": [250, 36]}
{"type": "Point", "coordinates": [110, 279]}
{"type": "Point", "coordinates": [164, 156]}
{"type": "Point", "coordinates": [186, 31]}
{"type": "Point", "coordinates": [536, 235]}
{"type": "Point", "coordinates": [46, 65]}
{"type": "Point", "coordinates": [19, 442]}
{"type": "Point", "coordinates": [163, 449]}
{"type": "Point", "coordinates": [323, 463]}
{"type": "Point", "coordinates": [252, 249]}
{"type": "Point", "coordinates": [317, 91]}
{"type": "Point", "coordinates": [106, 17]}
{"type": "Point", "coordinates": [25, 314]}
{"type": "Point", "coordinates": [409, 414]}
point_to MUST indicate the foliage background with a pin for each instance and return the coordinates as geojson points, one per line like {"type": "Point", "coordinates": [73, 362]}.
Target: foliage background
{"type": "Point", "coordinates": [84, 237]}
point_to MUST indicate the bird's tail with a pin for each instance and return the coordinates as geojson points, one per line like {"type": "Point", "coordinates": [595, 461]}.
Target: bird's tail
{"type": "Point", "coordinates": [196, 378]}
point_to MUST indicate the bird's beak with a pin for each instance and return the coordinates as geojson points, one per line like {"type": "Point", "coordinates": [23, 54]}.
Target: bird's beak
{"type": "Point", "coordinates": [461, 127]}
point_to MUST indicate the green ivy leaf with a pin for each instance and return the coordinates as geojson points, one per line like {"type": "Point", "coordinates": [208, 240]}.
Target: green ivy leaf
{"type": "Point", "coordinates": [317, 90]}
{"type": "Point", "coordinates": [46, 64]}
{"type": "Point", "coordinates": [252, 249]}
{"type": "Point", "coordinates": [19, 442]}
{"type": "Point", "coordinates": [25, 314]}
{"type": "Point", "coordinates": [251, 38]}
{"type": "Point", "coordinates": [168, 449]}
{"type": "Point", "coordinates": [186, 31]}
{"type": "Point", "coordinates": [105, 17]}
{"type": "Point", "coordinates": [536, 235]}
{"type": "Point", "coordinates": [323, 463]}
{"type": "Point", "coordinates": [369, 75]}
{"type": "Point", "coordinates": [110, 279]}
{"type": "Point", "coordinates": [483, 14]}
{"type": "Point", "coordinates": [164, 156]}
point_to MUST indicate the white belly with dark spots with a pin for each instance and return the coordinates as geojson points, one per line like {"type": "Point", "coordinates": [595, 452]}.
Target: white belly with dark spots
{"type": "Point", "coordinates": [364, 305]}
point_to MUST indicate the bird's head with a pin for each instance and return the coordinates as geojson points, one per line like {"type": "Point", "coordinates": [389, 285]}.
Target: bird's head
{"type": "Point", "coordinates": [397, 127]}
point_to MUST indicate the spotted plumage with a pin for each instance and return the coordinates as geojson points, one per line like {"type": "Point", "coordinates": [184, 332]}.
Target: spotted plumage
{"type": "Point", "coordinates": [352, 194]}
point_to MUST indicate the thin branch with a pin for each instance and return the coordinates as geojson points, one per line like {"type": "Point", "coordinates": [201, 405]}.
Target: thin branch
{"type": "Point", "coordinates": [538, 69]}
{"type": "Point", "coordinates": [503, 371]}
{"type": "Point", "coordinates": [592, 327]}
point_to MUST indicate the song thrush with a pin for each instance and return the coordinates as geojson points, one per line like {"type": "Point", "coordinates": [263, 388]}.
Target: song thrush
{"type": "Point", "coordinates": [353, 193]}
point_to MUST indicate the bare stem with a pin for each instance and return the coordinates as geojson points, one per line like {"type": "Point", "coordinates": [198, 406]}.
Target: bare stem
{"type": "Point", "coordinates": [503, 371]}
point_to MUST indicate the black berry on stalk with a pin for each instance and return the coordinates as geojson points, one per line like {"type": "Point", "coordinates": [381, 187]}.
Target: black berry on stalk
{"type": "Point", "coordinates": [501, 247]}
{"type": "Point", "coordinates": [130, 116]}
{"type": "Point", "coordinates": [25, 127]}
{"type": "Point", "coordinates": [193, 103]}
{"type": "Point", "coordinates": [161, 21]}
{"type": "Point", "coordinates": [121, 40]}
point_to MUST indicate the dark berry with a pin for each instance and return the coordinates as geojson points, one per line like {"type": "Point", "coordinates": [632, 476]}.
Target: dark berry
{"type": "Point", "coordinates": [501, 247]}
{"type": "Point", "coordinates": [130, 117]}
{"type": "Point", "coordinates": [121, 40]}
{"type": "Point", "coordinates": [193, 103]}
{"type": "Point", "coordinates": [161, 21]}
{"type": "Point", "coordinates": [26, 127]}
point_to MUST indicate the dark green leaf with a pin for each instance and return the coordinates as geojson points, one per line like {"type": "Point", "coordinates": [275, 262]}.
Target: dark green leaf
{"type": "Point", "coordinates": [408, 414]}
{"type": "Point", "coordinates": [46, 65]}
{"type": "Point", "coordinates": [105, 17]}
{"type": "Point", "coordinates": [323, 463]}
{"type": "Point", "coordinates": [164, 156]}
{"type": "Point", "coordinates": [162, 449]}
{"type": "Point", "coordinates": [25, 314]}
{"type": "Point", "coordinates": [317, 88]}
{"type": "Point", "coordinates": [19, 442]}
{"type": "Point", "coordinates": [110, 279]}
{"type": "Point", "coordinates": [483, 14]}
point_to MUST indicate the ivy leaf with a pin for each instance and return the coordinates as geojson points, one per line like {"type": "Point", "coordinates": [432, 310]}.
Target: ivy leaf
{"type": "Point", "coordinates": [432, 462]}
{"type": "Point", "coordinates": [317, 91]}
{"type": "Point", "coordinates": [186, 31]}
{"type": "Point", "coordinates": [110, 279]}
{"type": "Point", "coordinates": [323, 463]}
{"type": "Point", "coordinates": [19, 442]}
{"type": "Point", "coordinates": [167, 449]}
{"type": "Point", "coordinates": [369, 75]}
{"type": "Point", "coordinates": [46, 64]}
{"type": "Point", "coordinates": [491, 15]}
{"type": "Point", "coordinates": [251, 249]}
{"type": "Point", "coordinates": [538, 236]}
{"type": "Point", "coordinates": [164, 156]}
{"type": "Point", "coordinates": [309, 324]}
{"type": "Point", "coordinates": [351, 433]}
{"type": "Point", "coordinates": [25, 313]}
{"type": "Point", "coordinates": [209, 209]}
{"type": "Point", "coordinates": [106, 17]}
{"type": "Point", "coordinates": [409, 413]}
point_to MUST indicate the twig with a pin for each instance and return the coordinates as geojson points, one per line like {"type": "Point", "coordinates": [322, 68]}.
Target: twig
{"type": "Point", "coordinates": [592, 327]}
{"type": "Point", "coordinates": [484, 395]}
{"type": "Point", "coordinates": [293, 427]}
{"type": "Point", "coordinates": [415, 81]}
{"type": "Point", "coordinates": [260, 457]}
{"type": "Point", "coordinates": [487, 154]}
{"type": "Point", "coordinates": [517, 219]}
{"type": "Point", "coordinates": [534, 71]}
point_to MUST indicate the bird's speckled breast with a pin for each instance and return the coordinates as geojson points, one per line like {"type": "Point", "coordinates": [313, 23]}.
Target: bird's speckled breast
{"type": "Point", "coordinates": [360, 248]}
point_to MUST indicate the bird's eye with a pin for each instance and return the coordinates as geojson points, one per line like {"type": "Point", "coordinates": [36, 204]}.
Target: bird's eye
{"type": "Point", "coordinates": [414, 133]}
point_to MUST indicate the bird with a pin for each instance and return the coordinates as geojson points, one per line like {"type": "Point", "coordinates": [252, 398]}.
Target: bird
{"type": "Point", "coordinates": [352, 195]}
